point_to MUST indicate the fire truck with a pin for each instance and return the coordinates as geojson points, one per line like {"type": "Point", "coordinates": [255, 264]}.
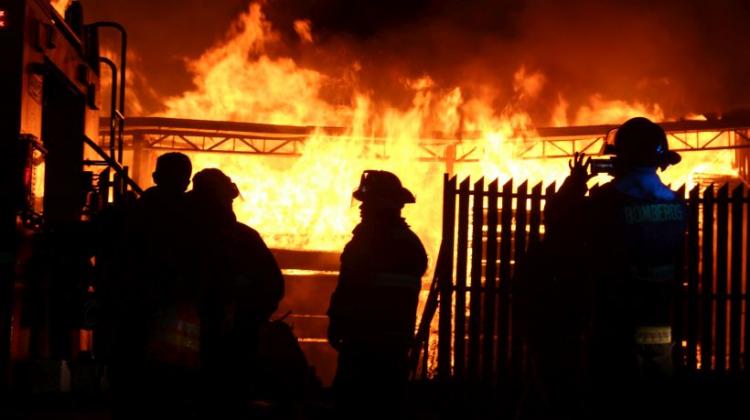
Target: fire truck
{"type": "Point", "coordinates": [54, 176]}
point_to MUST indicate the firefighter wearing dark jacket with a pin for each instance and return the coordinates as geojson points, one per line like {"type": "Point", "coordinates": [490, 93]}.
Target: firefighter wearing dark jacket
{"type": "Point", "coordinates": [152, 357]}
{"type": "Point", "coordinates": [630, 233]}
{"type": "Point", "coordinates": [240, 287]}
{"type": "Point", "coordinates": [373, 309]}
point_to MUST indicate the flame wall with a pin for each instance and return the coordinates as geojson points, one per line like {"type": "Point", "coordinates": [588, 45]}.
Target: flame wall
{"type": "Point", "coordinates": [271, 68]}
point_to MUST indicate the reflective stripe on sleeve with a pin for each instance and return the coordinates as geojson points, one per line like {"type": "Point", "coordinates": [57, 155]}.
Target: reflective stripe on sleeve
{"type": "Point", "coordinates": [653, 335]}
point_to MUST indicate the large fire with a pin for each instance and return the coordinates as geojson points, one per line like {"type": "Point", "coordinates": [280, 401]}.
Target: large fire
{"type": "Point", "coordinates": [305, 202]}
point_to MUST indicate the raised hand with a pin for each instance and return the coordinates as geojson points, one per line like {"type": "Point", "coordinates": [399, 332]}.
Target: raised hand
{"type": "Point", "coordinates": [580, 167]}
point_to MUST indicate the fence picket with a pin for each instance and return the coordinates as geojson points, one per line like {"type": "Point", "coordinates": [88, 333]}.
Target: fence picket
{"type": "Point", "coordinates": [490, 278]}
{"type": "Point", "coordinates": [462, 249]}
{"type": "Point", "coordinates": [535, 214]}
{"type": "Point", "coordinates": [680, 310]}
{"type": "Point", "coordinates": [475, 301]}
{"type": "Point", "coordinates": [707, 279]}
{"type": "Point", "coordinates": [503, 312]}
{"type": "Point", "coordinates": [693, 258]}
{"type": "Point", "coordinates": [446, 280]}
{"type": "Point", "coordinates": [735, 319]}
{"type": "Point", "coordinates": [516, 347]}
{"type": "Point", "coordinates": [722, 250]}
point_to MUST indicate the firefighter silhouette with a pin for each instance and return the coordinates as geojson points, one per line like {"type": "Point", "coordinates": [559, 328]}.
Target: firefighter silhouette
{"type": "Point", "coordinates": [240, 287]}
{"type": "Point", "coordinates": [629, 233]}
{"type": "Point", "coordinates": [373, 308]}
{"type": "Point", "coordinates": [155, 349]}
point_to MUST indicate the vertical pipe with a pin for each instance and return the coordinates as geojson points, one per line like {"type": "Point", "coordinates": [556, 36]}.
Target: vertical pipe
{"type": "Point", "coordinates": [113, 104]}
{"type": "Point", "coordinates": [123, 84]}
{"type": "Point", "coordinates": [123, 67]}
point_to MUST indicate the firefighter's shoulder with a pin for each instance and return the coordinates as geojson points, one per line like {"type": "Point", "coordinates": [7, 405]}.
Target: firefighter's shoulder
{"type": "Point", "coordinates": [245, 233]}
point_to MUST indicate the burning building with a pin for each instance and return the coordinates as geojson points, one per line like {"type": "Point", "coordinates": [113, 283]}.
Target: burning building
{"type": "Point", "coordinates": [338, 123]}
{"type": "Point", "coordinates": [294, 101]}
{"type": "Point", "coordinates": [294, 107]}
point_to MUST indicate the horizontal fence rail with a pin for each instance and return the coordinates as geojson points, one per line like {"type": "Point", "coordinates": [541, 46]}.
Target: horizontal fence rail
{"type": "Point", "coordinates": [488, 228]}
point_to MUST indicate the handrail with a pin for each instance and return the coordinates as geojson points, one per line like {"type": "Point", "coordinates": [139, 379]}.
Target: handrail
{"type": "Point", "coordinates": [123, 65]}
{"type": "Point", "coordinates": [113, 164]}
{"type": "Point", "coordinates": [113, 111]}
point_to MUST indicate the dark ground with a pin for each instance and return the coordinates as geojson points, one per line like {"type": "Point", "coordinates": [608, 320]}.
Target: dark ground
{"type": "Point", "coordinates": [705, 398]}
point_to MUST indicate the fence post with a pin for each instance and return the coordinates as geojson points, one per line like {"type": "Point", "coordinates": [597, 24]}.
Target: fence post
{"type": "Point", "coordinates": [475, 312]}
{"type": "Point", "coordinates": [490, 276]}
{"type": "Point", "coordinates": [446, 280]}
{"type": "Point", "coordinates": [735, 320]}
{"type": "Point", "coordinates": [503, 312]}
{"type": "Point", "coordinates": [707, 279]}
{"type": "Point", "coordinates": [462, 249]}
{"type": "Point", "coordinates": [693, 258]}
{"type": "Point", "coordinates": [516, 345]}
{"type": "Point", "coordinates": [680, 293]}
{"type": "Point", "coordinates": [722, 245]}
{"type": "Point", "coordinates": [535, 214]}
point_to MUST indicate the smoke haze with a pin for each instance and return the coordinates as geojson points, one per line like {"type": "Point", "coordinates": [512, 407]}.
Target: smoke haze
{"type": "Point", "coordinates": [688, 56]}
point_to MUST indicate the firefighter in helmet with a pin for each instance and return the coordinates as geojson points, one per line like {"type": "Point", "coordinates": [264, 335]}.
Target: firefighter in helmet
{"type": "Point", "coordinates": [240, 287]}
{"type": "Point", "coordinates": [373, 309]}
{"type": "Point", "coordinates": [144, 289]}
{"type": "Point", "coordinates": [629, 233]}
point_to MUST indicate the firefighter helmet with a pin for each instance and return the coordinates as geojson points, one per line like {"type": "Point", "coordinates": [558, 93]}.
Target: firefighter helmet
{"type": "Point", "coordinates": [641, 142]}
{"type": "Point", "coordinates": [214, 182]}
{"type": "Point", "coordinates": [383, 187]}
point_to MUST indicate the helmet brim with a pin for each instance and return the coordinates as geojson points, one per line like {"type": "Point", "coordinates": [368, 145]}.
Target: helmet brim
{"type": "Point", "coordinates": [403, 196]}
{"type": "Point", "coordinates": [672, 158]}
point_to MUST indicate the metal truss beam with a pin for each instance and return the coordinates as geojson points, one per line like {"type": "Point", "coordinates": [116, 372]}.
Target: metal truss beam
{"type": "Point", "coordinates": [552, 142]}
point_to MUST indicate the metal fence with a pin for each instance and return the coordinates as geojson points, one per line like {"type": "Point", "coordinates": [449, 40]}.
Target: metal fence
{"type": "Point", "coordinates": [488, 227]}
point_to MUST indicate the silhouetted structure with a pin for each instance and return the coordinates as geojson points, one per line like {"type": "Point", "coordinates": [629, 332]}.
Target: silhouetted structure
{"type": "Point", "coordinates": [373, 309]}
{"type": "Point", "coordinates": [629, 233]}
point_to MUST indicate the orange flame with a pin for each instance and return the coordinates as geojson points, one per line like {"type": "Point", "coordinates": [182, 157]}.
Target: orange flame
{"type": "Point", "coordinates": [305, 202]}
{"type": "Point", "coordinates": [60, 5]}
